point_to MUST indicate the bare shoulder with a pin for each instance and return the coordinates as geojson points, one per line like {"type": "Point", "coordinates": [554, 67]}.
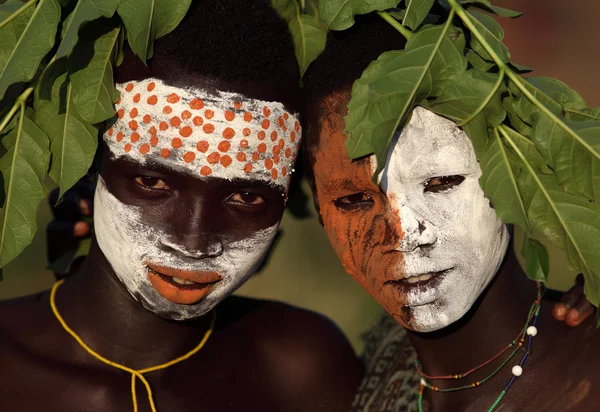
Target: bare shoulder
{"type": "Point", "coordinates": [311, 359]}
{"type": "Point", "coordinates": [563, 371]}
{"type": "Point", "coordinates": [21, 317]}
{"type": "Point", "coordinates": [26, 336]}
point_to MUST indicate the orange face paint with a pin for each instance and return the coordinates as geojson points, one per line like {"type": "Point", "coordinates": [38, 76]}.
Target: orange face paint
{"type": "Point", "coordinates": [365, 238]}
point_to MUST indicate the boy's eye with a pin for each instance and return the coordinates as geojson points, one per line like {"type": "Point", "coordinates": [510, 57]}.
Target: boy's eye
{"type": "Point", "coordinates": [354, 201]}
{"type": "Point", "coordinates": [151, 182]}
{"type": "Point", "coordinates": [247, 202]}
{"type": "Point", "coordinates": [442, 183]}
{"type": "Point", "coordinates": [247, 198]}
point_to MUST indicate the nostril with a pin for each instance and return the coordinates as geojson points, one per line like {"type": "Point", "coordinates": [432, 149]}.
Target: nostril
{"type": "Point", "coordinates": [195, 250]}
{"type": "Point", "coordinates": [421, 228]}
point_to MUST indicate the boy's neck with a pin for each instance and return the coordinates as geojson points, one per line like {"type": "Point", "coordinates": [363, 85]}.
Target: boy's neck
{"type": "Point", "coordinates": [492, 323]}
{"type": "Point", "coordinates": [98, 307]}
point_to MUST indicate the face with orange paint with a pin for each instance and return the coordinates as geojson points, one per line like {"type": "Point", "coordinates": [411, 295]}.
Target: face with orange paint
{"type": "Point", "coordinates": [185, 213]}
{"type": "Point", "coordinates": [426, 242]}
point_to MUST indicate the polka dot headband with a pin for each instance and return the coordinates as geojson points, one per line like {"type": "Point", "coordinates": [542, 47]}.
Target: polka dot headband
{"type": "Point", "coordinates": [224, 135]}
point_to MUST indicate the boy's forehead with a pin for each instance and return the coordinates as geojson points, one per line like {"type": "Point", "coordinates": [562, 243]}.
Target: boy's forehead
{"type": "Point", "coordinates": [222, 134]}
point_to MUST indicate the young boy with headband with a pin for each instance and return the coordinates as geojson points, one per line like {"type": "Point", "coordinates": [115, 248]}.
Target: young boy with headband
{"type": "Point", "coordinates": [192, 186]}
{"type": "Point", "coordinates": [428, 246]}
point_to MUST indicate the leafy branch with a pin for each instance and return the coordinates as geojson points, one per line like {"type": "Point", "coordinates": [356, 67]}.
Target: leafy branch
{"type": "Point", "coordinates": [62, 93]}
{"type": "Point", "coordinates": [537, 141]}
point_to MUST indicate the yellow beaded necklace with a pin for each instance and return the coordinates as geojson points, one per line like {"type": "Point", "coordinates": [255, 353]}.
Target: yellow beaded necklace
{"type": "Point", "coordinates": [134, 373]}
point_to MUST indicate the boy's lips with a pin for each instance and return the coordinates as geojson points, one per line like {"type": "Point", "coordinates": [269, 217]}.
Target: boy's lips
{"type": "Point", "coordinates": [181, 286]}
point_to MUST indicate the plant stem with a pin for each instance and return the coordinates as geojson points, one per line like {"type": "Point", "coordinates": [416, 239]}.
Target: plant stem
{"type": "Point", "coordinates": [18, 12]}
{"type": "Point", "coordinates": [20, 101]}
{"type": "Point", "coordinates": [396, 24]}
{"type": "Point", "coordinates": [516, 79]}
{"type": "Point", "coordinates": [9, 183]}
{"type": "Point", "coordinates": [502, 128]}
{"type": "Point", "coordinates": [486, 100]}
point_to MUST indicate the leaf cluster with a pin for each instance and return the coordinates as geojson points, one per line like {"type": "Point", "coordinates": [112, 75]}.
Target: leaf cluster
{"type": "Point", "coordinates": [537, 141]}
{"type": "Point", "coordinates": [57, 89]}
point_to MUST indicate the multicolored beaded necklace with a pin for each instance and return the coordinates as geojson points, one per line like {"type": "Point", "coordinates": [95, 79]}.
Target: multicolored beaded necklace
{"type": "Point", "coordinates": [525, 335]}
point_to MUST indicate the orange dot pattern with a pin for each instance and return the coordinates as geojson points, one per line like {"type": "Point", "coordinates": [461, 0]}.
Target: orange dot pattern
{"type": "Point", "coordinates": [209, 135]}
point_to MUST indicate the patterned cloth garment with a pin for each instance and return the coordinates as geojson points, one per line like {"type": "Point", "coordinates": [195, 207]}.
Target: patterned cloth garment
{"type": "Point", "coordinates": [391, 382]}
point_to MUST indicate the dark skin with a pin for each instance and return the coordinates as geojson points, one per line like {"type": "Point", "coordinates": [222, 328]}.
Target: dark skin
{"type": "Point", "coordinates": [558, 376]}
{"type": "Point", "coordinates": [263, 355]}
{"type": "Point", "coordinates": [560, 373]}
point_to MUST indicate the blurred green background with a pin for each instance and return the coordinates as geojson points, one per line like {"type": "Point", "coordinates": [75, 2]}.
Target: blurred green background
{"type": "Point", "coordinates": [556, 37]}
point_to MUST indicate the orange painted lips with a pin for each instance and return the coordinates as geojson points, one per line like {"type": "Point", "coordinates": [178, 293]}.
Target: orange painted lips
{"type": "Point", "coordinates": [161, 279]}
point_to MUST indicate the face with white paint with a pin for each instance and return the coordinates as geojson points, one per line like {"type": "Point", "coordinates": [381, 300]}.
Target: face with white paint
{"type": "Point", "coordinates": [426, 242]}
{"type": "Point", "coordinates": [182, 223]}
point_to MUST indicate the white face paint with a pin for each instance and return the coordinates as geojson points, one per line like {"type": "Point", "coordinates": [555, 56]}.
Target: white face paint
{"type": "Point", "coordinates": [206, 135]}
{"type": "Point", "coordinates": [454, 231]}
{"type": "Point", "coordinates": [129, 244]}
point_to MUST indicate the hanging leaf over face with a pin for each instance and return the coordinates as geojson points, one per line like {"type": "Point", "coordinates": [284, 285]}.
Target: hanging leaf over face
{"type": "Point", "coordinates": [23, 168]}
{"type": "Point", "coordinates": [308, 32]}
{"type": "Point", "coordinates": [73, 141]}
{"type": "Point", "coordinates": [573, 151]}
{"type": "Point", "coordinates": [500, 167]}
{"type": "Point", "coordinates": [93, 87]}
{"type": "Point", "coordinates": [472, 93]}
{"type": "Point", "coordinates": [138, 18]}
{"type": "Point", "coordinates": [309, 39]}
{"type": "Point", "coordinates": [29, 47]}
{"type": "Point", "coordinates": [388, 89]}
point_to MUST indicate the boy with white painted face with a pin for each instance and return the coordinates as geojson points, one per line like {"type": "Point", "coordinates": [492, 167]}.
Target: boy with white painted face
{"type": "Point", "coordinates": [428, 246]}
{"type": "Point", "coordinates": [192, 186]}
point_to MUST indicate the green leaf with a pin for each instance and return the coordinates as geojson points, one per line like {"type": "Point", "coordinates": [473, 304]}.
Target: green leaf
{"type": "Point", "coordinates": [583, 114]}
{"type": "Point", "coordinates": [138, 17]}
{"type": "Point", "coordinates": [559, 92]}
{"type": "Point", "coordinates": [572, 151]}
{"type": "Point", "coordinates": [449, 63]}
{"type": "Point", "coordinates": [398, 14]}
{"type": "Point", "coordinates": [520, 69]}
{"type": "Point", "coordinates": [73, 141]}
{"type": "Point", "coordinates": [34, 42]}
{"type": "Point", "coordinates": [472, 93]}
{"type": "Point", "coordinates": [287, 9]}
{"type": "Point", "coordinates": [416, 11]}
{"type": "Point", "coordinates": [85, 11]}
{"type": "Point", "coordinates": [23, 168]}
{"type": "Point", "coordinates": [551, 94]}
{"type": "Point", "coordinates": [568, 221]}
{"type": "Point", "coordinates": [168, 14]}
{"type": "Point", "coordinates": [492, 33]}
{"type": "Point", "coordinates": [477, 62]}
{"type": "Point", "coordinates": [387, 102]}
{"type": "Point", "coordinates": [387, 90]}
{"type": "Point", "coordinates": [537, 261]}
{"type": "Point", "coordinates": [339, 14]}
{"type": "Point", "coordinates": [487, 6]}
{"type": "Point", "coordinates": [515, 121]}
{"type": "Point", "coordinates": [93, 86]}
{"type": "Point", "coordinates": [309, 39]}
{"type": "Point", "coordinates": [10, 8]}
{"type": "Point", "coordinates": [529, 150]}
{"type": "Point", "coordinates": [500, 168]}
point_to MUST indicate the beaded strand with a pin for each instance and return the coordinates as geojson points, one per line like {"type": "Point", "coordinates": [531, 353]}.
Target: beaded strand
{"type": "Point", "coordinates": [528, 332]}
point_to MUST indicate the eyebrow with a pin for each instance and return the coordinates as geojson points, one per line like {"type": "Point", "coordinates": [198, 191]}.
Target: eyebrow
{"type": "Point", "coordinates": [337, 184]}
